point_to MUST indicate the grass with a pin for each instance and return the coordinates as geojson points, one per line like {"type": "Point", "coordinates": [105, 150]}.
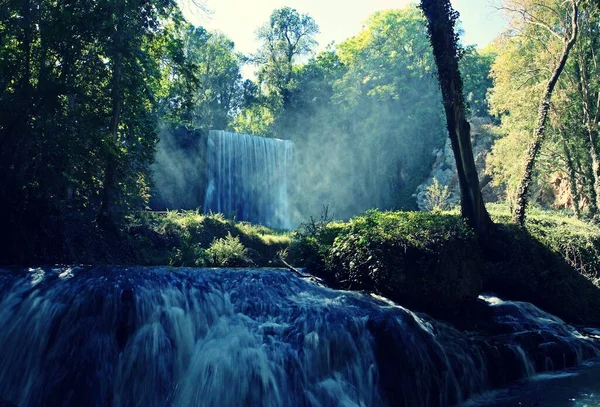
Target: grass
{"type": "Point", "coordinates": [182, 238]}
{"type": "Point", "coordinates": [408, 256]}
{"type": "Point", "coordinates": [575, 240]}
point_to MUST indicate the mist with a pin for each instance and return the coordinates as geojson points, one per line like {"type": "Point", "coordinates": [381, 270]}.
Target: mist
{"type": "Point", "coordinates": [179, 169]}
{"type": "Point", "coordinates": [365, 120]}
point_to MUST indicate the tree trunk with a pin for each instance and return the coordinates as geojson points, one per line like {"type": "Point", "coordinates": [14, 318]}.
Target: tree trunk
{"type": "Point", "coordinates": [27, 36]}
{"type": "Point", "coordinates": [441, 22]}
{"type": "Point", "coordinates": [538, 135]}
{"type": "Point", "coordinates": [591, 125]}
{"type": "Point", "coordinates": [590, 186]}
{"type": "Point", "coordinates": [572, 178]}
{"type": "Point", "coordinates": [116, 95]}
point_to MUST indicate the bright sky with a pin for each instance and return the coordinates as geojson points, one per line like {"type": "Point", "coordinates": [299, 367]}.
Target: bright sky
{"type": "Point", "coordinates": [337, 19]}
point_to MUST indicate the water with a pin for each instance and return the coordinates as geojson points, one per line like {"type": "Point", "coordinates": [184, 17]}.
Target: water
{"type": "Point", "coordinates": [248, 178]}
{"type": "Point", "coordinates": [75, 336]}
{"type": "Point", "coordinates": [577, 387]}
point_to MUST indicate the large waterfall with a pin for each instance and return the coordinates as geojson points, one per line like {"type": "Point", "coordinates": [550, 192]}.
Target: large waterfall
{"type": "Point", "coordinates": [205, 337]}
{"type": "Point", "coordinates": [248, 178]}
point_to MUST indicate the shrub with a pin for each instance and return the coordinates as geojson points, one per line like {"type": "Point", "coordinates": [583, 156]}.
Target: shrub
{"type": "Point", "coordinates": [228, 252]}
{"type": "Point", "coordinates": [311, 244]}
{"type": "Point", "coordinates": [437, 196]}
{"type": "Point", "coordinates": [428, 262]}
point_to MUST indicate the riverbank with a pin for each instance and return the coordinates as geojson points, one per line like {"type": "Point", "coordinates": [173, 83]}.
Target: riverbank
{"type": "Point", "coordinates": [429, 262]}
{"type": "Point", "coordinates": [432, 262]}
{"type": "Point", "coordinates": [171, 238]}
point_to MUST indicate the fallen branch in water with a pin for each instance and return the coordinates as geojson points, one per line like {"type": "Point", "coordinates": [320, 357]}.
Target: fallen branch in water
{"type": "Point", "coordinates": [282, 255]}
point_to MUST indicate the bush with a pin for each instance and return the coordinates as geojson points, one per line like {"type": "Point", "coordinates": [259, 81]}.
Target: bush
{"type": "Point", "coordinates": [428, 262]}
{"type": "Point", "coordinates": [553, 263]}
{"type": "Point", "coordinates": [311, 243]}
{"type": "Point", "coordinates": [228, 252]}
{"type": "Point", "coordinates": [437, 197]}
{"type": "Point", "coordinates": [183, 238]}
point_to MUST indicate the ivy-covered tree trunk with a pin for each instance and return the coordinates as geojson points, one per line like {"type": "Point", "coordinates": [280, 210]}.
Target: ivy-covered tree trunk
{"type": "Point", "coordinates": [441, 20]}
{"type": "Point", "coordinates": [572, 173]}
{"type": "Point", "coordinates": [591, 117]}
{"type": "Point", "coordinates": [544, 108]}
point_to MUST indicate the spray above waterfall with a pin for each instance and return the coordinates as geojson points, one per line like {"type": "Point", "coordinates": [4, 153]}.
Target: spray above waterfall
{"type": "Point", "coordinates": [247, 177]}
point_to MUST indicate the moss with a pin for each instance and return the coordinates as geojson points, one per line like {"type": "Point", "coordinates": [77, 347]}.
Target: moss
{"type": "Point", "coordinates": [428, 262]}
{"type": "Point", "coordinates": [552, 263]}
{"type": "Point", "coordinates": [432, 262]}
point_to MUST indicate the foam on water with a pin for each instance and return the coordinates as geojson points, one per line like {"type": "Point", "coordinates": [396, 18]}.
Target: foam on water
{"type": "Point", "coordinates": [75, 336]}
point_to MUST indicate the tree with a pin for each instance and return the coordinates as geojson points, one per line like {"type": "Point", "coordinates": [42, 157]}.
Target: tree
{"type": "Point", "coordinates": [129, 150]}
{"type": "Point", "coordinates": [475, 67]}
{"type": "Point", "coordinates": [587, 70]}
{"type": "Point", "coordinates": [204, 81]}
{"type": "Point", "coordinates": [78, 103]}
{"type": "Point", "coordinates": [363, 112]}
{"type": "Point", "coordinates": [444, 41]}
{"type": "Point", "coordinates": [285, 37]}
{"type": "Point", "coordinates": [528, 54]}
{"type": "Point", "coordinates": [568, 39]}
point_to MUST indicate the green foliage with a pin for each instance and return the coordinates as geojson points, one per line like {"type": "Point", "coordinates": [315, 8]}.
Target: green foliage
{"type": "Point", "coordinates": [576, 241]}
{"type": "Point", "coordinates": [77, 93]}
{"type": "Point", "coordinates": [255, 119]}
{"type": "Point", "coordinates": [475, 68]}
{"type": "Point", "coordinates": [203, 81]}
{"type": "Point", "coordinates": [285, 37]}
{"type": "Point", "coordinates": [426, 261]}
{"type": "Point", "coordinates": [420, 229]}
{"type": "Point", "coordinates": [436, 197]}
{"type": "Point", "coordinates": [311, 243]}
{"type": "Point", "coordinates": [366, 112]}
{"type": "Point", "coordinates": [186, 238]}
{"type": "Point", "coordinates": [431, 261]}
{"type": "Point", "coordinates": [228, 252]}
{"type": "Point", "coordinates": [552, 262]}
{"type": "Point", "coordinates": [526, 57]}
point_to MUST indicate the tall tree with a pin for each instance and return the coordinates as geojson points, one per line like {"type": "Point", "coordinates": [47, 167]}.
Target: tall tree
{"type": "Point", "coordinates": [204, 80]}
{"type": "Point", "coordinates": [285, 37]}
{"type": "Point", "coordinates": [131, 28]}
{"type": "Point", "coordinates": [569, 37]}
{"type": "Point", "coordinates": [119, 43]}
{"type": "Point", "coordinates": [442, 18]}
{"type": "Point", "coordinates": [587, 70]}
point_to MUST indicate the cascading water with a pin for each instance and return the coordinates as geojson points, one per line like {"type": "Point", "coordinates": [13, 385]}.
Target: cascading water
{"type": "Point", "coordinates": [248, 178]}
{"type": "Point", "coordinates": [252, 337]}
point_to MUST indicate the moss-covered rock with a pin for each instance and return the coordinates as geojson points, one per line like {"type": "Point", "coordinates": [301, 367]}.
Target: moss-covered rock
{"type": "Point", "coordinates": [427, 262]}
{"type": "Point", "coordinates": [531, 271]}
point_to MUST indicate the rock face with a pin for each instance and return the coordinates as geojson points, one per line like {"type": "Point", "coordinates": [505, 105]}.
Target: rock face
{"type": "Point", "coordinates": [444, 167]}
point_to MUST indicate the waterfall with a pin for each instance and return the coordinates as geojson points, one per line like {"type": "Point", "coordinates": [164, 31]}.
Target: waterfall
{"type": "Point", "coordinates": [81, 336]}
{"type": "Point", "coordinates": [248, 178]}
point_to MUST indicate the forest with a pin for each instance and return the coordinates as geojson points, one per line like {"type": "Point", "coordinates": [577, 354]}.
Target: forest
{"type": "Point", "coordinates": [84, 105]}
{"type": "Point", "coordinates": [397, 219]}
{"type": "Point", "coordinates": [101, 120]}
